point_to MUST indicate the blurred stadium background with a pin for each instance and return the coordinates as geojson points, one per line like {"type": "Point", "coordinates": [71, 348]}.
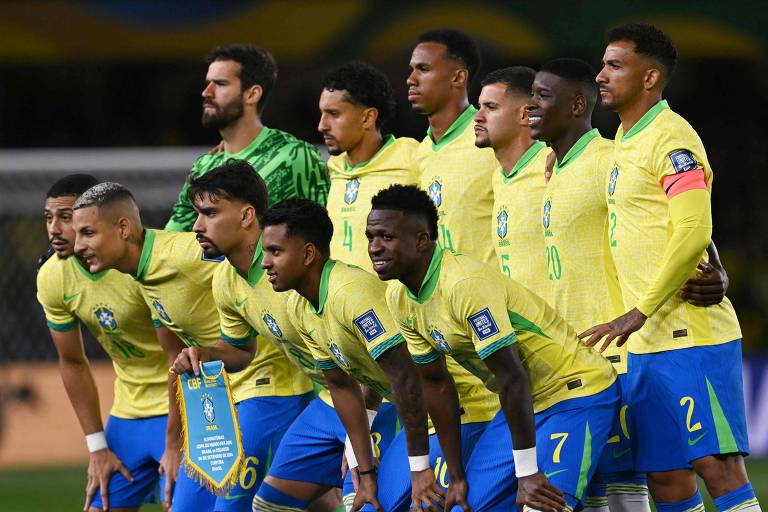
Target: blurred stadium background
{"type": "Point", "coordinates": [113, 88]}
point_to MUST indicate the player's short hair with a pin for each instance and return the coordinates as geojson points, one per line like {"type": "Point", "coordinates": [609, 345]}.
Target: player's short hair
{"type": "Point", "coordinates": [302, 217]}
{"type": "Point", "coordinates": [517, 79]}
{"type": "Point", "coordinates": [257, 67]}
{"type": "Point", "coordinates": [410, 200]}
{"type": "Point", "coordinates": [649, 40]}
{"type": "Point", "coordinates": [103, 194]}
{"type": "Point", "coordinates": [365, 86]}
{"type": "Point", "coordinates": [461, 47]}
{"type": "Point", "coordinates": [72, 185]}
{"type": "Point", "coordinates": [234, 179]}
{"type": "Point", "coordinates": [576, 71]}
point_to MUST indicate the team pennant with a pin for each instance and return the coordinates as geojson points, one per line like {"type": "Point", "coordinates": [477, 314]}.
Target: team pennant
{"type": "Point", "coordinates": [213, 449]}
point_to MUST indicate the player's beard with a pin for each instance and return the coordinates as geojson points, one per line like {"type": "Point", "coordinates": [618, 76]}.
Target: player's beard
{"type": "Point", "coordinates": [222, 116]}
{"type": "Point", "coordinates": [484, 142]}
{"type": "Point", "coordinates": [213, 251]}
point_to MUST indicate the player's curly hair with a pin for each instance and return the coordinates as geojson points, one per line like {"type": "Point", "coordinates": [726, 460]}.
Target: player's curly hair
{"type": "Point", "coordinates": [576, 71]}
{"type": "Point", "coordinates": [72, 185]}
{"type": "Point", "coordinates": [234, 179]}
{"type": "Point", "coordinates": [257, 67]}
{"type": "Point", "coordinates": [649, 40]}
{"type": "Point", "coordinates": [517, 79]}
{"type": "Point", "coordinates": [365, 85]}
{"type": "Point", "coordinates": [461, 48]}
{"type": "Point", "coordinates": [304, 218]}
{"type": "Point", "coordinates": [409, 199]}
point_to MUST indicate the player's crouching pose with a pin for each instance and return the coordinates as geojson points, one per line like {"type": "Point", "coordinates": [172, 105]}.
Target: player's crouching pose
{"type": "Point", "coordinates": [124, 459]}
{"type": "Point", "coordinates": [450, 304]}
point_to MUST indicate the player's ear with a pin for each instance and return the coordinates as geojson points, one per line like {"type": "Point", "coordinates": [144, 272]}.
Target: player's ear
{"type": "Point", "coordinates": [253, 95]}
{"type": "Point", "coordinates": [248, 215]}
{"type": "Point", "coordinates": [461, 78]}
{"type": "Point", "coordinates": [579, 105]}
{"type": "Point", "coordinates": [310, 254]}
{"type": "Point", "coordinates": [370, 115]}
{"type": "Point", "coordinates": [652, 78]}
{"type": "Point", "coordinates": [522, 116]}
{"type": "Point", "coordinates": [124, 228]}
{"type": "Point", "coordinates": [423, 241]}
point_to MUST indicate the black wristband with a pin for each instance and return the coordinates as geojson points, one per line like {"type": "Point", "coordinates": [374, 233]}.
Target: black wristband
{"type": "Point", "coordinates": [367, 472]}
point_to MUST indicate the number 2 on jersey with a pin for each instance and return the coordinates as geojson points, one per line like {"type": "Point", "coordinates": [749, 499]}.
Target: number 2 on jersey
{"type": "Point", "coordinates": [613, 229]}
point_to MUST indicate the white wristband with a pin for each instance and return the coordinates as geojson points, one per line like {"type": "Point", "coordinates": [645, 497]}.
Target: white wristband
{"type": "Point", "coordinates": [96, 441]}
{"type": "Point", "coordinates": [419, 462]}
{"type": "Point", "coordinates": [371, 416]}
{"type": "Point", "coordinates": [525, 462]}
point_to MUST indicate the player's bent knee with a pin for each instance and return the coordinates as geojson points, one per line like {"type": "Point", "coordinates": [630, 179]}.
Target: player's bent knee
{"type": "Point", "coordinates": [667, 486]}
{"type": "Point", "coordinates": [721, 473]}
{"type": "Point", "coordinates": [304, 491]}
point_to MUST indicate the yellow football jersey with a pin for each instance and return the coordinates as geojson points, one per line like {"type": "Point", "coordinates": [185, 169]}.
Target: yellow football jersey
{"type": "Point", "coordinates": [465, 309]}
{"type": "Point", "coordinates": [352, 327]}
{"type": "Point", "coordinates": [176, 279]}
{"type": "Point", "coordinates": [112, 308]}
{"type": "Point", "coordinates": [660, 144]}
{"type": "Point", "coordinates": [457, 174]}
{"type": "Point", "coordinates": [249, 306]}
{"type": "Point", "coordinates": [516, 228]}
{"type": "Point", "coordinates": [582, 282]}
{"type": "Point", "coordinates": [349, 201]}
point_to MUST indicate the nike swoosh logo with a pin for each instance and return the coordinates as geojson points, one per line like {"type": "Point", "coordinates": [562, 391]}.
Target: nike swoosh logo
{"type": "Point", "coordinates": [694, 441]}
{"type": "Point", "coordinates": [620, 453]}
{"type": "Point", "coordinates": [239, 302]}
{"type": "Point", "coordinates": [236, 496]}
{"type": "Point", "coordinates": [554, 473]}
{"type": "Point", "coordinates": [68, 298]}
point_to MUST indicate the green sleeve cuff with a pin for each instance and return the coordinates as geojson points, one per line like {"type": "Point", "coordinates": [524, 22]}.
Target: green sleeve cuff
{"type": "Point", "coordinates": [327, 364]}
{"type": "Point", "coordinates": [62, 327]}
{"type": "Point", "coordinates": [506, 341]}
{"type": "Point", "coordinates": [427, 358]}
{"type": "Point", "coordinates": [386, 345]}
{"type": "Point", "coordinates": [237, 342]}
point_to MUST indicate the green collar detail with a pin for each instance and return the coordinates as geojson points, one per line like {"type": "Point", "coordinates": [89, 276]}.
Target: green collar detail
{"type": "Point", "coordinates": [388, 140]}
{"type": "Point", "coordinates": [324, 278]}
{"type": "Point", "coordinates": [647, 119]}
{"type": "Point", "coordinates": [431, 278]}
{"type": "Point", "coordinates": [263, 134]}
{"type": "Point", "coordinates": [577, 149]}
{"type": "Point", "coordinates": [456, 129]}
{"type": "Point", "coordinates": [255, 271]}
{"type": "Point", "coordinates": [87, 273]}
{"type": "Point", "coordinates": [523, 162]}
{"type": "Point", "coordinates": [146, 254]}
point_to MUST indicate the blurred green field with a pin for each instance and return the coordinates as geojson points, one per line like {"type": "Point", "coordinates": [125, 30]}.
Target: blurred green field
{"type": "Point", "coordinates": [61, 489]}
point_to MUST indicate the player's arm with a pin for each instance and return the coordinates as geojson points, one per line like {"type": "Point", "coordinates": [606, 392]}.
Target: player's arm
{"type": "Point", "coordinates": [84, 397]}
{"type": "Point", "coordinates": [310, 174]}
{"type": "Point", "coordinates": [234, 357]}
{"type": "Point", "coordinates": [711, 282]}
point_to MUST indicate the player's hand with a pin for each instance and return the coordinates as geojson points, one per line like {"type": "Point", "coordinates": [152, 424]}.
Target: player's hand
{"type": "Point", "coordinates": [550, 166]}
{"type": "Point", "coordinates": [101, 465]}
{"type": "Point", "coordinates": [345, 467]}
{"type": "Point", "coordinates": [619, 330]}
{"type": "Point", "coordinates": [457, 495]}
{"type": "Point", "coordinates": [425, 494]}
{"type": "Point", "coordinates": [169, 466]}
{"type": "Point", "coordinates": [708, 287]}
{"type": "Point", "coordinates": [218, 148]}
{"type": "Point", "coordinates": [537, 493]}
{"type": "Point", "coordinates": [366, 493]}
{"type": "Point", "coordinates": [189, 360]}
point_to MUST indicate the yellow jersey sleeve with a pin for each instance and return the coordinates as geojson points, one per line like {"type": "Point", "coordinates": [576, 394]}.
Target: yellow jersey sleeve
{"type": "Point", "coordinates": [235, 329]}
{"type": "Point", "coordinates": [303, 324]}
{"type": "Point", "coordinates": [51, 297]}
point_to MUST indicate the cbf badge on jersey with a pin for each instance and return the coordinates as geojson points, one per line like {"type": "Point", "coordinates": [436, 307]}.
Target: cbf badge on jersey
{"type": "Point", "coordinates": [213, 449]}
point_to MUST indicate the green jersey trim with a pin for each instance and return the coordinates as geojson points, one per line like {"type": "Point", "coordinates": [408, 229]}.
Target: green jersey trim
{"type": "Point", "coordinates": [62, 327]}
{"type": "Point", "coordinates": [426, 358]}
{"type": "Point", "coordinates": [255, 143]}
{"type": "Point", "coordinates": [431, 278]}
{"type": "Point", "coordinates": [237, 342]}
{"type": "Point", "coordinates": [324, 278]}
{"type": "Point", "coordinates": [255, 271]}
{"type": "Point", "coordinates": [386, 345]}
{"type": "Point", "coordinates": [644, 121]}
{"type": "Point", "coordinates": [456, 129]}
{"type": "Point", "coordinates": [520, 323]}
{"type": "Point", "coordinates": [523, 161]}
{"type": "Point", "coordinates": [388, 140]}
{"type": "Point", "coordinates": [577, 149]}
{"type": "Point", "coordinates": [586, 463]}
{"type": "Point", "coordinates": [326, 365]}
{"type": "Point", "coordinates": [146, 254]}
{"type": "Point", "coordinates": [506, 341]}
{"type": "Point", "coordinates": [725, 439]}
{"type": "Point", "coordinates": [93, 277]}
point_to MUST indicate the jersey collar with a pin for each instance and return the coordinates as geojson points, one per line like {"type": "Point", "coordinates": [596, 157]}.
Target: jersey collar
{"type": "Point", "coordinates": [324, 278]}
{"type": "Point", "coordinates": [456, 129]}
{"type": "Point", "coordinates": [644, 121]}
{"type": "Point", "coordinates": [254, 271]}
{"type": "Point", "coordinates": [146, 254]}
{"type": "Point", "coordinates": [431, 278]}
{"type": "Point", "coordinates": [523, 161]}
{"type": "Point", "coordinates": [93, 277]}
{"type": "Point", "coordinates": [577, 149]}
{"type": "Point", "coordinates": [263, 134]}
{"type": "Point", "coordinates": [388, 140]}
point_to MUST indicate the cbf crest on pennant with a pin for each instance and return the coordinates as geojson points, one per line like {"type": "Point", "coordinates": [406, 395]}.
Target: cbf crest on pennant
{"type": "Point", "coordinates": [435, 191]}
{"type": "Point", "coordinates": [212, 446]}
{"type": "Point", "coordinates": [350, 192]}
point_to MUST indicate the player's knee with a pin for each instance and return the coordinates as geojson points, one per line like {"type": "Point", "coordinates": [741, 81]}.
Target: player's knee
{"type": "Point", "coordinates": [721, 473]}
{"type": "Point", "coordinates": [667, 486]}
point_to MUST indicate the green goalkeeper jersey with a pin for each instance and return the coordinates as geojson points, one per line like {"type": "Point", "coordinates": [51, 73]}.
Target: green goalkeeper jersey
{"type": "Point", "coordinates": [290, 168]}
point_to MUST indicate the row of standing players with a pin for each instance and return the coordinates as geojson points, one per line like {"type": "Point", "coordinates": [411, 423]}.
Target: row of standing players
{"type": "Point", "coordinates": [573, 242]}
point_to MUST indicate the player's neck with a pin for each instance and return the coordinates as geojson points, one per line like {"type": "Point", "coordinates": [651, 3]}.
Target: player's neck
{"type": "Point", "coordinates": [441, 120]}
{"type": "Point", "coordinates": [414, 279]}
{"type": "Point", "coordinates": [241, 133]}
{"type": "Point", "coordinates": [561, 145]}
{"type": "Point", "coordinates": [310, 286]}
{"type": "Point", "coordinates": [365, 150]}
{"type": "Point", "coordinates": [509, 154]}
{"type": "Point", "coordinates": [631, 113]}
{"type": "Point", "coordinates": [242, 256]}
{"type": "Point", "coordinates": [129, 263]}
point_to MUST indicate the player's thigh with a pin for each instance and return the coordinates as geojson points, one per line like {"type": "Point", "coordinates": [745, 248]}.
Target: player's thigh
{"type": "Point", "coordinates": [618, 454]}
{"type": "Point", "coordinates": [135, 442]}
